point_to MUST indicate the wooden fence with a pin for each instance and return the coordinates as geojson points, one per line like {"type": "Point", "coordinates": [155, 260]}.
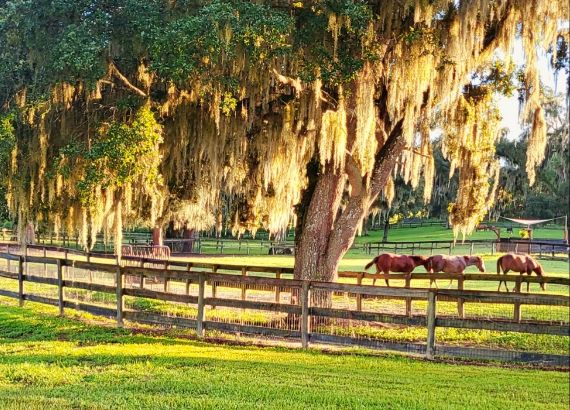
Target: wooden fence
{"type": "Point", "coordinates": [542, 249]}
{"type": "Point", "coordinates": [302, 318]}
{"type": "Point", "coordinates": [516, 281]}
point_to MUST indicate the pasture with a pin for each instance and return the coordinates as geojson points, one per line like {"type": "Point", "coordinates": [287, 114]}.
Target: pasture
{"type": "Point", "coordinates": [355, 261]}
{"type": "Point", "coordinates": [356, 258]}
{"type": "Point", "coordinates": [60, 363]}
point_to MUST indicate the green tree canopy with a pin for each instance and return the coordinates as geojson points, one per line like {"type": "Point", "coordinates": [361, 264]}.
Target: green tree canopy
{"type": "Point", "coordinates": [277, 106]}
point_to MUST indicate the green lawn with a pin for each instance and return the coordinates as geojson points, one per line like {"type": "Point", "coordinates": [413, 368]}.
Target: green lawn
{"type": "Point", "coordinates": [50, 362]}
{"type": "Point", "coordinates": [440, 233]}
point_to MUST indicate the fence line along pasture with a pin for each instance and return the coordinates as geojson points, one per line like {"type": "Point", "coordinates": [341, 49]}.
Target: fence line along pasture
{"type": "Point", "coordinates": [162, 261]}
{"type": "Point", "coordinates": [261, 301]}
{"type": "Point", "coordinates": [540, 248]}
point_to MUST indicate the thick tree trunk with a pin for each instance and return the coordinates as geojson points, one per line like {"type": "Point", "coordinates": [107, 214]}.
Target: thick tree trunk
{"type": "Point", "coordinates": [316, 224]}
{"type": "Point", "coordinates": [188, 236]}
{"type": "Point", "coordinates": [323, 238]}
{"type": "Point", "coordinates": [386, 227]}
{"type": "Point", "coordinates": [157, 236]}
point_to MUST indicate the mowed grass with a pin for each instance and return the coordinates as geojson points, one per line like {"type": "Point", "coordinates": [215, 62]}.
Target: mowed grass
{"type": "Point", "coordinates": [440, 233]}
{"type": "Point", "coordinates": [356, 259]}
{"type": "Point", "coordinates": [62, 363]}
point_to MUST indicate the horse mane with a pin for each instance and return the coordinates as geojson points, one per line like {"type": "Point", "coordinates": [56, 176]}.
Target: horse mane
{"type": "Point", "coordinates": [472, 259]}
{"type": "Point", "coordinates": [419, 259]}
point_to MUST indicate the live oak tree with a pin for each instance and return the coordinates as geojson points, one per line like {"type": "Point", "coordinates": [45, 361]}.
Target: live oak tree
{"type": "Point", "coordinates": [126, 112]}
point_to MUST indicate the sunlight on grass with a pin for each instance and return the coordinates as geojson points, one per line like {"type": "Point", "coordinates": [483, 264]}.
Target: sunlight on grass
{"type": "Point", "coordinates": [57, 363]}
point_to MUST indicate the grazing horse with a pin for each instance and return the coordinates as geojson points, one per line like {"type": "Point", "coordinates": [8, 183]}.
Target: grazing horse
{"type": "Point", "coordinates": [389, 262]}
{"type": "Point", "coordinates": [452, 264]}
{"type": "Point", "coordinates": [521, 264]}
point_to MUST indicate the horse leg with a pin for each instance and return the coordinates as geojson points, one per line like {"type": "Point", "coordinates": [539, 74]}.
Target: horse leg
{"type": "Point", "coordinates": [528, 272]}
{"type": "Point", "coordinates": [374, 280]}
{"type": "Point", "coordinates": [434, 282]}
{"type": "Point", "coordinates": [432, 278]}
{"type": "Point", "coordinates": [503, 281]}
{"type": "Point", "coordinates": [386, 279]}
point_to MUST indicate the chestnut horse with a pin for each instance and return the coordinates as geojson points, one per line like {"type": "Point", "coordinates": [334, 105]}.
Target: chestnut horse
{"type": "Point", "coordinates": [452, 264]}
{"type": "Point", "coordinates": [521, 264]}
{"type": "Point", "coordinates": [389, 262]}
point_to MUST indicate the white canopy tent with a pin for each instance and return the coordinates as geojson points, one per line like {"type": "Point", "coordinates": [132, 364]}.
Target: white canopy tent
{"type": "Point", "coordinates": [530, 222]}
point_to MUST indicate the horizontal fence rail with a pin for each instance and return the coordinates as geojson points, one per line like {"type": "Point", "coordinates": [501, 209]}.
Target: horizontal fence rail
{"type": "Point", "coordinates": [218, 297]}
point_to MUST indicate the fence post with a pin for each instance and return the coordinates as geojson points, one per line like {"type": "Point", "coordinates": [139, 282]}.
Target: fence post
{"type": "Point", "coordinates": [60, 286]}
{"type": "Point", "coordinates": [201, 307]}
{"type": "Point", "coordinates": [408, 299]}
{"type": "Point", "coordinates": [431, 317]}
{"type": "Point", "coordinates": [471, 249]}
{"type": "Point", "coordinates": [214, 285]}
{"type": "Point", "coordinates": [21, 280]}
{"type": "Point", "coordinates": [305, 301]}
{"type": "Point", "coordinates": [243, 288]}
{"type": "Point", "coordinates": [141, 281]}
{"type": "Point", "coordinates": [26, 257]}
{"type": "Point", "coordinates": [188, 281]}
{"type": "Point", "coordinates": [120, 302]}
{"type": "Point", "coordinates": [45, 264]}
{"type": "Point", "coordinates": [359, 295]}
{"type": "Point", "coordinates": [517, 305]}
{"type": "Point", "coordinates": [493, 248]}
{"type": "Point", "coordinates": [277, 288]}
{"type": "Point", "coordinates": [460, 301]}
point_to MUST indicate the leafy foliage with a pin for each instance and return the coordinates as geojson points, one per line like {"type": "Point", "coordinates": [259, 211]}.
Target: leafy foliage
{"type": "Point", "coordinates": [194, 44]}
{"type": "Point", "coordinates": [124, 153]}
{"type": "Point", "coordinates": [548, 198]}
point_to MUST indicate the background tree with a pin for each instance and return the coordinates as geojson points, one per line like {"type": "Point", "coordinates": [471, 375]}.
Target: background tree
{"type": "Point", "coordinates": [548, 197]}
{"type": "Point", "coordinates": [133, 112]}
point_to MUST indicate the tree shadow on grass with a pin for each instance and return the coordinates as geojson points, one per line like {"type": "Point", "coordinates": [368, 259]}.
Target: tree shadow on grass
{"type": "Point", "coordinates": [19, 325]}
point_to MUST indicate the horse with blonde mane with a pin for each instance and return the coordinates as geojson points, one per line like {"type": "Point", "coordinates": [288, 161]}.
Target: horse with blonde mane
{"type": "Point", "coordinates": [452, 264]}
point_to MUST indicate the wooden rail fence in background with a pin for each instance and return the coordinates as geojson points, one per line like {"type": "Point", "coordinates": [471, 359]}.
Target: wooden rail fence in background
{"type": "Point", "coordinates": [301, 307]}
{"type": "Point", "coordinates": [539, 248]}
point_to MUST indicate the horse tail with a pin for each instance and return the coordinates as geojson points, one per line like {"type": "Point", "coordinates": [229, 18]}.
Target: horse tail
{"type": "Point", "coordinates": [372, 262]}
{"type": "Point", "coordinates": [499, 265]}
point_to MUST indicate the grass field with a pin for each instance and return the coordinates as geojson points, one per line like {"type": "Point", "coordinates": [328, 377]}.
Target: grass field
{"type": "Point", "coordinates": [57, 363]}
{"type": "Point", "coordinates": [356, 259]}
{"type": "Point", "coordinates": [440, 233]}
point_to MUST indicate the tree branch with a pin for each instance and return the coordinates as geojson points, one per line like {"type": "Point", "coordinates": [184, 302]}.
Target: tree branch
{"type": "Point", "coordinates": [346, 225]}
{"type": "Point", "coordinates": [354, 176]}
{"type": "Point", "coordinates": [385, 160]}
{"type": "Point", "coordinates": [114, 71]}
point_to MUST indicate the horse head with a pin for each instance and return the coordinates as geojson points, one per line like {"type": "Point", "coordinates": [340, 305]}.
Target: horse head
{"type": "Point", "coordinates": [421, 260]}
{"type": "Point", "coordinates": [477, 261]}
{"type": "Point", "coordinates": [480, 264]}
{"type": "Point", "coordinates": [539, 272]}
